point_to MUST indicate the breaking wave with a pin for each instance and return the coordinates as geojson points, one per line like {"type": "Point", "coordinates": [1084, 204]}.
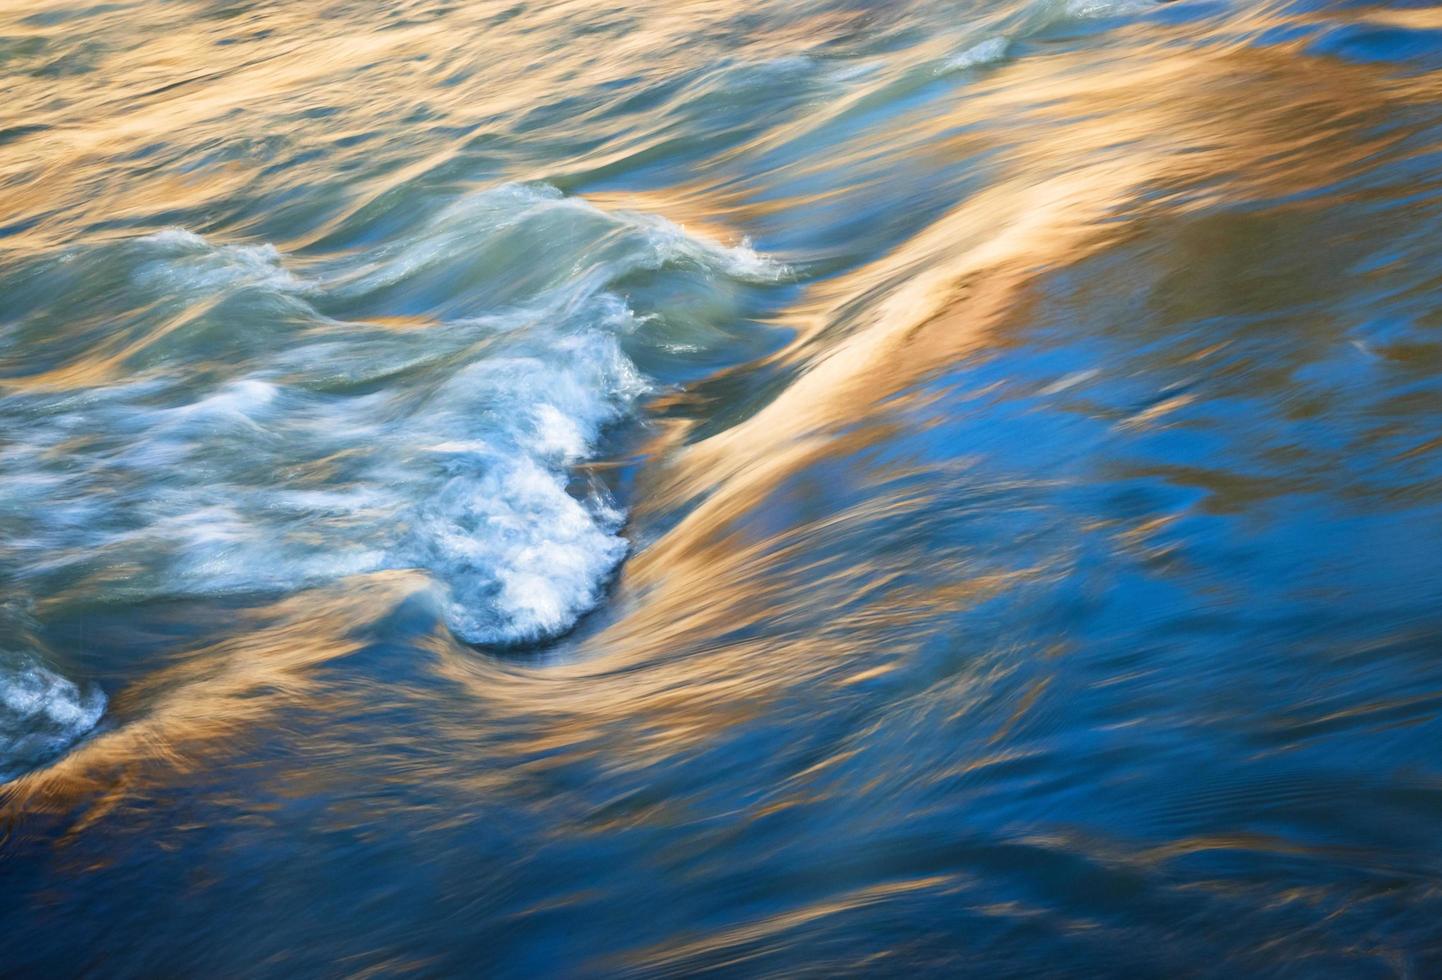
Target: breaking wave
{"type": "Point", "coordinates": [419, 405]}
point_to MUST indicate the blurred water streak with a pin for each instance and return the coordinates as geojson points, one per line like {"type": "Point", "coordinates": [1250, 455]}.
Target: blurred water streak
{"type": "Point", "coordinates": [834, 488]}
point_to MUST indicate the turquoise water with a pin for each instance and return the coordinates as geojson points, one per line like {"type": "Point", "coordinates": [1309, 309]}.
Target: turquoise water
{"type": "Point", "coordinates": [775, 488]}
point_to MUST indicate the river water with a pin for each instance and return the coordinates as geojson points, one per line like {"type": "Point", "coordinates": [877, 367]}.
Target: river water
{"type": "Point", "coordinates": [836, 488]}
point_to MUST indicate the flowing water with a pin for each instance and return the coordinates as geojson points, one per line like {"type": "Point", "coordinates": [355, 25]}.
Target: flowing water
{"type": "Point", "coordinates": [850, 487]}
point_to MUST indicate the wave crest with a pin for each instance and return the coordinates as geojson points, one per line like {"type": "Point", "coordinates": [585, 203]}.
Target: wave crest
{"type": "Point", "coordinates": [338, 442]}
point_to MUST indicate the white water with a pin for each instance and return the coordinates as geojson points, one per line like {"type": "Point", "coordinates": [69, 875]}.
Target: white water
{"type": "Point", "coordinates": [284, 460]}
{"type": "Point", "coordinates": [41, 713]}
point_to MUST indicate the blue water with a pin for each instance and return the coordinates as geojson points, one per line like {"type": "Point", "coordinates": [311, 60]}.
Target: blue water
{"type": "Point", "coordinates": [942, 488]}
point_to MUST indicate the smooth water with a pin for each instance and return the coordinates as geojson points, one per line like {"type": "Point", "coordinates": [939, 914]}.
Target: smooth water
{"type": "Point", "coordinates": [840, 488]}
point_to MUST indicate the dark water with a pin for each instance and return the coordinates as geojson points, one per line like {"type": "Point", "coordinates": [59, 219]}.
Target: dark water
{"type": "Point", "coordinates": [842, 488]}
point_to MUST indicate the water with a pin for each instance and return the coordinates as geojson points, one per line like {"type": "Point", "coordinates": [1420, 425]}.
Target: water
{"type": "Point", "coordinates": [843, 488]}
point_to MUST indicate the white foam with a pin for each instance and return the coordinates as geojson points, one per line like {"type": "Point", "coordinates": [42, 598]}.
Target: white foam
{"type": "Point", "coordinates": [240, 400]}
{"type": "Point", "coordinates": [281, 476]}
{"type": "Point", "coordinates": [187, 262]}
{"type": "Point", "coordinates": [987, 52]}
{"type": "Point", "coordinates": [41, 714]}
{"type": "Point", "coordinates": [523, 556]}
{"type": "Point", "coordinates": [1083, 9]}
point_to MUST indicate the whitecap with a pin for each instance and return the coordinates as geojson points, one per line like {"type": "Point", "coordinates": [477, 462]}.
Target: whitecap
{"type": "Point", "coordinates": [988, 52]}
{"type": "Point", "coordinates": [339, 446]}
{"type": "Point", "coordinates": [41, 714]}
{"type": "Point", "coordinates": [186, 261]}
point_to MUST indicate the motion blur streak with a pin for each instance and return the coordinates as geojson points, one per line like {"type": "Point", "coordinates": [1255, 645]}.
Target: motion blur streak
{"type": "Point", "coordinates": [641, 489]}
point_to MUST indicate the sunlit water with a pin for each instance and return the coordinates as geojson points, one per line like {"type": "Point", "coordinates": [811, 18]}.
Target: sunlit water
{"type": "Point", "coordinates": [825, 488]}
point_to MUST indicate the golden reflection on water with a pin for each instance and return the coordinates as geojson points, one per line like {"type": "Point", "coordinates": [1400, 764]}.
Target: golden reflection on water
{"type": "Point", "coordinates": [253, 74]}
{"type": "Point", "coordinates": [193, 713]}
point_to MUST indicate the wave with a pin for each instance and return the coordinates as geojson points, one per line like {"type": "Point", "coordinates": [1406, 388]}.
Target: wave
{"type": "Point", "coordinates": [41, 713]}
{"type": "Point", "coordinates": [423, 404]}
{"type": "Point", "coordinates": [989, 52]}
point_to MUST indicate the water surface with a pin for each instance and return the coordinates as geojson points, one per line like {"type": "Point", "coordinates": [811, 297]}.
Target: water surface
{"type": "Point", "coordinates": [841, 488]}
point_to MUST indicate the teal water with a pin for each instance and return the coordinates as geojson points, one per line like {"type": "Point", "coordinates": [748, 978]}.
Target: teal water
{"type": "Point", "coordinates": [830, 489]}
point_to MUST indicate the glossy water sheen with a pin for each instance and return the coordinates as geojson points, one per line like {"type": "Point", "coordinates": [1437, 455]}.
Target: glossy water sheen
{"type": "Point", "coordinates": [768, 487]}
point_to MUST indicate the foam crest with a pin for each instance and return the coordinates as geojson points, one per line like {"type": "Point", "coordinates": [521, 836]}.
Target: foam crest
{"type": "Point", "coordinates": [341, 446]}
{"type": "Point", "coordinates": [495, 236]}
{"type": "Point", "coordinates": [988, 52]}
{"type": "Point", "coordinates": [41, 713]}
{"type": "Point", "coordinates": [186, 261]}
